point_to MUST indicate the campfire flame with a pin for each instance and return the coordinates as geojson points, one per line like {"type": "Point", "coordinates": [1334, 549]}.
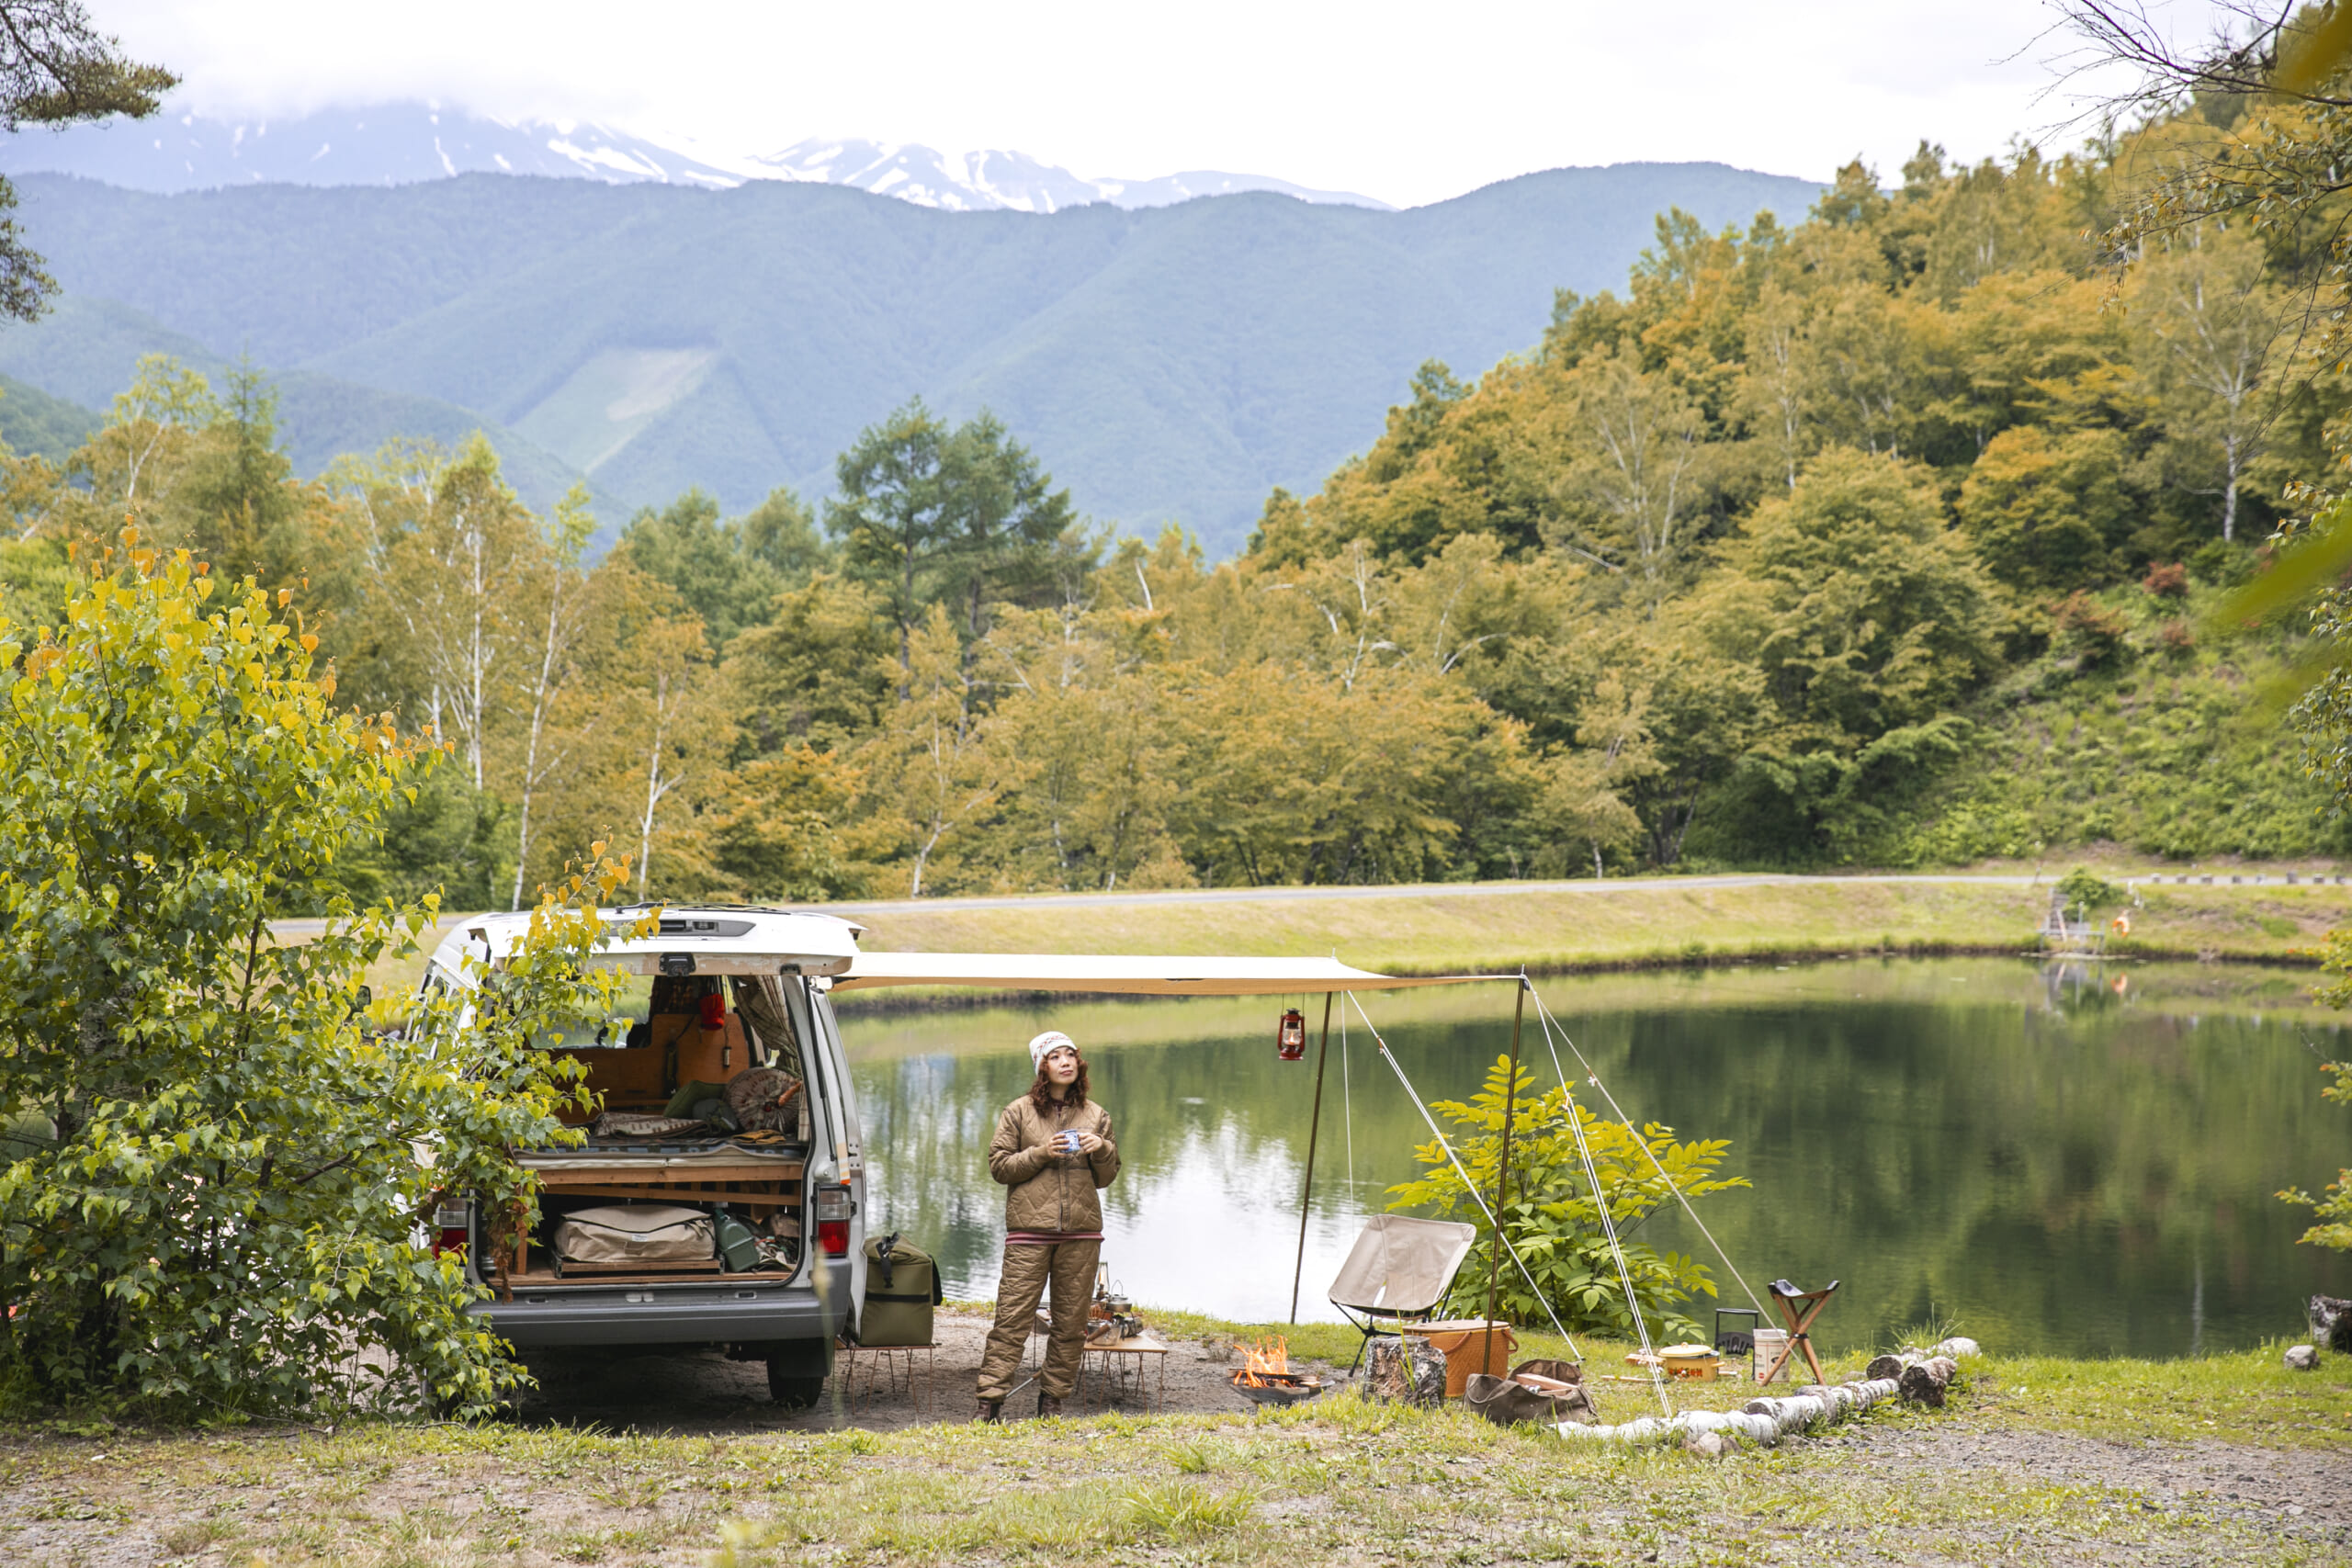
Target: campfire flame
{"type": "Point", "coordinates": [1264, 1364]}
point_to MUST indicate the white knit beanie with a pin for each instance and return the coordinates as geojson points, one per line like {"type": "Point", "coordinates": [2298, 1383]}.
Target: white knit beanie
{"type": "Point", "coordinates": [1046, 1044]}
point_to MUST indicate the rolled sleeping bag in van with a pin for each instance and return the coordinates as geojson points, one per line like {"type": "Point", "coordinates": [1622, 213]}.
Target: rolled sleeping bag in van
{"type": "Point", "coordinates": [901, 1287]}
{"type": "Point", "coordinates": [634, 1232]}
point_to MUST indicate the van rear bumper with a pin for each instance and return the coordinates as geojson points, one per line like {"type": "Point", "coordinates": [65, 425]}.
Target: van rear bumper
{"type": "Point", "coordinates": [666, 1314]}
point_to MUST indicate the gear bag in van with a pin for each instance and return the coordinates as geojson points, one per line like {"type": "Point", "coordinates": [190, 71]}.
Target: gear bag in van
{"type": "Point", "coordinates": [901, 1287]}
{"type": "Point", "coordinates": [625, 1233]}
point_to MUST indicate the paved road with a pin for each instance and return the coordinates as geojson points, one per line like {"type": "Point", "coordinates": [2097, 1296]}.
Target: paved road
{"type": "Point", "coordinates": [1416, 890]}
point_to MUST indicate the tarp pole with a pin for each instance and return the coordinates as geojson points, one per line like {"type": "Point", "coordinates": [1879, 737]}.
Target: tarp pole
{"type": "Point", "coordinates": [1314, 1123]}
{"type": "Point", "coordinates": [1502, 1176]}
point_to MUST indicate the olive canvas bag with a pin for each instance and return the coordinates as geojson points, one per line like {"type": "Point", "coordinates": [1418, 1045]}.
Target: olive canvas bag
{"type": "Point", "coordinates": [902, 1285]}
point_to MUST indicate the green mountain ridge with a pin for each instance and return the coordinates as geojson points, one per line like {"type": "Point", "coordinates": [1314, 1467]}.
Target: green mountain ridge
{"type": "Point", "coordinates": [85, 351]}
{"type": "Point", "coordinates": [33, 422]}
{"type": "Point", "coordinates": [1166, 364]}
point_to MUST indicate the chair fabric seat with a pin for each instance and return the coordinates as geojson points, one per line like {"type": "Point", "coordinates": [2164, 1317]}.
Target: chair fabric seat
{"type": "Point", "coordinates": [1402, 1266]}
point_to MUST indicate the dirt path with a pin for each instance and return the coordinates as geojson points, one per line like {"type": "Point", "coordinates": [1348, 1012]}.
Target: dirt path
{"type": "Point", "coordinates": [704, 1394]}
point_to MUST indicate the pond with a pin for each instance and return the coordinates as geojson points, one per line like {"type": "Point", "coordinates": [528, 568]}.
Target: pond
{"type": "Point", "coordinates": [2077, 1161]}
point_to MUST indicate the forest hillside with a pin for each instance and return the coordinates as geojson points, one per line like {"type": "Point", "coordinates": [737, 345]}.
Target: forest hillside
{"type": "Point", "coordinates": [1173, 365]}
{"type": "Point", "coordinates": [1883, 536]}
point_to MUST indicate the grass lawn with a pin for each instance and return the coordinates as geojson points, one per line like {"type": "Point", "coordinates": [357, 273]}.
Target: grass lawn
{"type": "Point", "coordinates": [2220, 1459]}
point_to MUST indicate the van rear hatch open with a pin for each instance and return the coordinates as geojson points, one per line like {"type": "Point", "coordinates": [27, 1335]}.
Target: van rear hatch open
{"type": "Point", "coordinates": [724, 1097]}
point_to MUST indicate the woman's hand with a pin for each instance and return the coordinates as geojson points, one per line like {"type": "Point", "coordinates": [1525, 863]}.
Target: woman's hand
{"type": "Point", "coordinates": [1088, 1142]}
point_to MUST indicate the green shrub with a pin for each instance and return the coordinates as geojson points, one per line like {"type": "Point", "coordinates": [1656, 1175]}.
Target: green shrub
{"type": "Point", "coordinates": [2080, 886]}
{"type": "Point", "coordinates": [1969, 831]}
{"type": "Point", "coordinates": [230, 1194]}
{"type": "Point", "coordinates": [1551, 1218]}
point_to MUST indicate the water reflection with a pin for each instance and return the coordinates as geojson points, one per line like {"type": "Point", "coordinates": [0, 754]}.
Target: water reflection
{"type": "Point", "coordinates": [2063, 1164]}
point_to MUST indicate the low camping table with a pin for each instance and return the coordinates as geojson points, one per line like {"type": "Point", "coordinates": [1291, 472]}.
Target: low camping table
{"type": "Point", "coordinates": [859, 1391]}
{"type": "Point", "coordinates": [1117, 1358]}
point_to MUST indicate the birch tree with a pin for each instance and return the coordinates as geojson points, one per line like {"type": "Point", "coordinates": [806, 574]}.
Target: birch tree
{"type": "Point", "coordinates": [2208, 324]}
{"type": "Point", "coordinates": [563, 611]}
{"type": "Point", "coordinates": [1772, 396]}
{"type": "Point", "coordinates": [1865, 368]}
{"type": "Point", "coordinates": [131, 464]}
{"type": "Point", "coordinates": [458, 551]}
{"type": "Point", "coordinates": [670, 662]}
{"type": "Point", "coordinates": [1627, 487]}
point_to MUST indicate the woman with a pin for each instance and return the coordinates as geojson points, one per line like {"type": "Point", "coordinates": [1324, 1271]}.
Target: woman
{"type": "Point", "coordinates": [1053, 1149]}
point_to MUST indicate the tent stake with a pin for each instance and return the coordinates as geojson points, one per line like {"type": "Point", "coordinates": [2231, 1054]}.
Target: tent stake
{"type": "Point", "coordinates": [1502, 1178]}
{"type": "Point", "coordinates": [1314, 1125]}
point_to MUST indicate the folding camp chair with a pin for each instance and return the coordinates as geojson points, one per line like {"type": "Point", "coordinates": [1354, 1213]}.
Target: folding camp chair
{"type": "Point", "coordinates": [1400, 1268]}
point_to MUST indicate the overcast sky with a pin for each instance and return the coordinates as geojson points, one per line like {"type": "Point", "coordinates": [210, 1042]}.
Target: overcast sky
{"type": "Point", "coordinates": [1407, 102]}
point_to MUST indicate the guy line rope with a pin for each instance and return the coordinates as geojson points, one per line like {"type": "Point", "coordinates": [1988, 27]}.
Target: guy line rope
{"type": "Point", "coordinates": [1584, 1151]}
{"type": "Point", "coordinates": [1544, 1016]}
{"type": "Point", "coordinates": [1472, 1187]}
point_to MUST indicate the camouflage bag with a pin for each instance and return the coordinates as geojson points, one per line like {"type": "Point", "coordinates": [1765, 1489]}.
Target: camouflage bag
{"type": "Point", "coordinates": [1406, 1368]}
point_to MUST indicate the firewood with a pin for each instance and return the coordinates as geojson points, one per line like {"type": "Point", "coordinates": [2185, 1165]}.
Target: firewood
{"type": "Point", "coordinates": [1923, 1382]}
{"type": "Point", "coordinates": [2331, 1322]}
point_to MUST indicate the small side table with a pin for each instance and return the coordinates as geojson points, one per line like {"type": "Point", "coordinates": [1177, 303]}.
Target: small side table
{"type": "Point", "coordinates": [1114, 1360]}
{"type": "Point", "coordinates": [898, 1369]}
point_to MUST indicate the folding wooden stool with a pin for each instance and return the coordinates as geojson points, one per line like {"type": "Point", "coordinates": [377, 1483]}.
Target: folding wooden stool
{"type": "Point", "coordinates": [1799, 1307]}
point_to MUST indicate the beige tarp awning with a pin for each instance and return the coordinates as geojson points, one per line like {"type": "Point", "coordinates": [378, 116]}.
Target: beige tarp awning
{"type": "Point", "coordinates": [1135, 975]}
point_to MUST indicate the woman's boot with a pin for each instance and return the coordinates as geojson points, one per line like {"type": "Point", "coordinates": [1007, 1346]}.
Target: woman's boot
{"type": "Point", "coordinates": [1048, 1405]}
{"type": "Point", "coordinates": [991, 1410]}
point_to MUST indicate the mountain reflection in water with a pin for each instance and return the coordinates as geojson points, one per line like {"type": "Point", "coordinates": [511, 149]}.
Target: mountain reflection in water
{"type": "Point", "coordinates": [2060, 1165]}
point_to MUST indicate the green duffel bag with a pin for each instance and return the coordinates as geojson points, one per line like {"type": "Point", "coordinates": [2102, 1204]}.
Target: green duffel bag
{"type": "Point", "coordinates": [901, 1287]}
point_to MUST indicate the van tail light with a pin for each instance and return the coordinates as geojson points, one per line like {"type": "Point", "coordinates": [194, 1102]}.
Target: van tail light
{"type": "Point", "coordinates": [452, 1229]}
{"type": "Point", "coordinates": [834, 1208]}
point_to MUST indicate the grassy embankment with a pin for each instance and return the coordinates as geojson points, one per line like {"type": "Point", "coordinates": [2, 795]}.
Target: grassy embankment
{"type": "Point", "coordinates": [1632, 924]}
{"type": "Point", "coordinates": [1642, 923]}
{"type": "Point", "coordinates": [1340, 1481]}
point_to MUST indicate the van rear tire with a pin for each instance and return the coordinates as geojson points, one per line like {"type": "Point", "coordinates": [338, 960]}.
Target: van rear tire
{"type": "Point", "coordinates": [789, 1386]}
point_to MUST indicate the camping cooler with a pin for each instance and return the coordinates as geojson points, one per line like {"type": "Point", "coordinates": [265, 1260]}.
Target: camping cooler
{"type": "Point", "coordinates": [901, 1291]}
{"type": "Point", "coordinates": [1465, 1344]}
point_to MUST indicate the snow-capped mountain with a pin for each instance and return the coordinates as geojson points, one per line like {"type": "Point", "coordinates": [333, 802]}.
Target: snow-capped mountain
{"type": "Point", "coordinates": [400, 143]}
{"type": "Point", "coordinates": [990, 181]}
{"type": "Point", "coordinates": [383, 145]}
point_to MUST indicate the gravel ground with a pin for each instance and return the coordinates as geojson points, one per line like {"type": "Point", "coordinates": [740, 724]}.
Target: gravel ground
{"type": "Point", "coordinates": [2307, 1491]}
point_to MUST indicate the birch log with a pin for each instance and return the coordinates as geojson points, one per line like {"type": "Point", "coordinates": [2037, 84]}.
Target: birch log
{"type": "Point", "coordinates": [1762, 1421]}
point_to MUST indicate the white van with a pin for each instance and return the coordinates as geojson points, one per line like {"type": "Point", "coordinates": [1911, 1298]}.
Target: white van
{"type": "Point", "coordinates": [717, 993]}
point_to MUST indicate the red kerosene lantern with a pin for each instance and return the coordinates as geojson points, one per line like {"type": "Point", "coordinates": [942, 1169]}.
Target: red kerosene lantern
{"type": "Point", "coordinates": [1290, 1039]}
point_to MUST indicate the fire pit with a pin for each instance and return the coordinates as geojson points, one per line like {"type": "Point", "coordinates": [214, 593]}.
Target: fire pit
{"type": "Point", "coordinates": [1265, 1377]}
{"type": "Point", "coordinates": [1289, 1391]}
